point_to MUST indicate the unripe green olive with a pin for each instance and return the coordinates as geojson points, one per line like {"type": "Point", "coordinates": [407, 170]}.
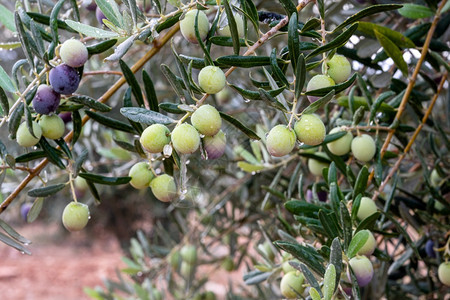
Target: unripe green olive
{"type": "Point", "coordinates": [155, 137]}
{"type": "Point", "coordinates": [186, 269]}
{"type": "Point", "coordinates": [444, 273]}
{"type": "Point", "coordinates": [280, 141]}
{"type": "Point", "coordinates": [228, 264]}
{"type": "Point", "coordinates": [73, 53]}
{"type": "Point", "coordinates": [369, 246]}
{"type": "Point", "coordinates": [140, 175]}
{"type": "Point", "coordinates": [266, 248]}
{"type": "Point", "coordinates": [187, 25]}
{"type": "Point", "coordinates": [24, 136]}
{"type": "Point", "coordinates": [318, 82]}
{"type": "Point", "coordinates": [75, 216]}
{"type": "Point", "coordinates": [339, 68]}
{"type": "Point", "coordinates": [315, 166]}
{"type": "Point", "coordinates": [52, 126]}
{"type": "Point", "coordinates": [291, 285]}
{"type": "Point", "coordinates": [189, 254]}
{"type": "Point", "coordinates": [206, 119]}
{"type": "Point", "coordinates": [310, 130]}
{"type": "Point", "coordinates": [80, 183]}
{"type": "Point", "coordinates": [363, 147]}
{"type": "Point", "coordinates": [211, 79]}
{"type": "Point", "coordinates": [164, 188]}
{"type": "Point", "coordinates": [185, 139]}
{"type": "Point", "coordinates": [342, 145]}
{"type": "Point", "coordinates": [367, 207]}
{"type": "Point", "coordinates": [174, 260]}
{"type": "Point", "coordinates": [225, 30]}
{"type": "Point", "coordinates": [363, 269]}
{"type": "Point", "coordinates": [435, 179]}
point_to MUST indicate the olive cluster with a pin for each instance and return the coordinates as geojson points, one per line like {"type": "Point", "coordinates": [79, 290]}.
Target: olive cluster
{"type": "Point", "coordinates": [64, 79]}
{"type": "Point", "coordinates": [185, 139]}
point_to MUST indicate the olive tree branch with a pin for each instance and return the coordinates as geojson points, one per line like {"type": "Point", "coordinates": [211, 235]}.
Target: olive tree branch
{"type": "Point", "coordinates": [157, 45]}
{"type": "Point", "coordinates": [412, 140]}
{"type": "Point", "coordinates": [411, 83]}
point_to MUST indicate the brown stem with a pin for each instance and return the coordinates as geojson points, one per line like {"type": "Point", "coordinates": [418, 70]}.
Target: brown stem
{"type": "Point", "coordinates": [411, 83]}
{"type": "Point", "coordinates": [413, 138]}
{"type": "Point", "coordinates": [104, 98]}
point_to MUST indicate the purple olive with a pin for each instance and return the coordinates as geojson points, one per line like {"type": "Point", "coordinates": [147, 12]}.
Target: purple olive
{"type": "Point", "coordinates": [100, 15]}
{"type": "Point", "coordinates": [429, 249]}
{"type": "Point", "coordinates": [66, 116]}
{"type": "Point", "coordinates": [64, 79]}
{"type": "Point", "coordinates": [90, 5]}
{"type": "Point", "coordinates": [24, 209]}
{"type": "Point", "coordinates": [46, 100]}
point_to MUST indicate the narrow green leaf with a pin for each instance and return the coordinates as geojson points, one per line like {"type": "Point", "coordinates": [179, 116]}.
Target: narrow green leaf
{"type": "Point", "coordinates": [54, 21]}
{"type": "Point", "coordinates": [52, 154]}
{"type": "Point", "coordinates": [253, 95]}
{"type": "Point", "coordinates": [396, 37]}
{"type": "Point", "coordinates": [121, 49]}
{"type": "Point", "coordinates": [329, 282]}
{"type": "Point", "coordinates": [346, 223]}
{"type": "Point", "coordinates": [150, 91]}
{"type": "Point", "coordinates": [78, 164]}
{"type": "Point", "coordinates": [110, 122]}
{"type": "Point", "coordinates": [104, 179]}
{"type": "Point", "coordinates": [250, 133]}
{"type": "Point", "coordinates": [339, 41]}
{"type": "Point", "coordinates": [311, 24]}
{"type": "Point", "coordinates": [4, 103]}
{"type": "Point", "coordinates": [90, 102]}
{"type": "Point", "coordinates": [233, 27]}
{"type": "Point", "coordinates": [336, 259]}
{"type": "Point", "coordinates": [321, 6]}
{"type": "Point", "coordinates": [13, 233]}
{"type": "Point", "coordinates": [7, 18]}
{"type": "Point", "coordinates": [23, 37]}
{"type": "Point", "coordinates": [10, 242]}
{"type": "Point", "coordinates": [300, 76]}
{"type": "Point", "coordinates": [299, 208]}
{"type": "Point", "coordinates": [314, 294]}
{"type": "Point", "coordinates": [171, 108]}
{"type": "Point", "coordinates": [91, 31]}
{"type": "Point", "coordinates": [304, 255]}
{"type": "Point", "coordinates": [393, 51]}
{"type": "Point", "coordinates": [111, 11]}
{"type": "Point", "coordinates": [277, 72]}
{"type": "Point", "coordinates": [35, 210]}
{"type": "Point", "coordinates": [337, 88]}
{"type": "Point", "coordinates": [101, 47]}
{"type": "Point", "coordinates": [145, 116]}
{"type": "Point", "coordinates": [319, 103]}
{"type": "Point", "coordinates": [176, 84]}
{"type": "Point", "coordinates": [245, 61]}
{"type": "Point", "coordinates": [288, 6]}
{"type": "Point", "coordinates": [251, 11]}
{"type": "Point", "coordinates": [226, 41]}
{"type": "Point", "coordinates": [15, 120]}
{"type": "Point", "coordinates": [361, 182]}
{"type": "Point", "coordinates": [77, 126]}
{"type": "Point", "coordinates": [311, 279]}
{"type": "Point", "coordinates": [374, 9]}
{"type": "Point", "coordinates": [328, 225]}
{"type": "Point", "coordinates": [132, 82]}
{"type": "Point", "coordinates": [415, 11]}
{"type": "Point", "coordinates": [169, 22]}
{"type": "Point", "coordinates": [46, 191]}
{"type": "Point", "coordinates": [293, 39]}
{"type": "Point", "coordinates": [357, 243]}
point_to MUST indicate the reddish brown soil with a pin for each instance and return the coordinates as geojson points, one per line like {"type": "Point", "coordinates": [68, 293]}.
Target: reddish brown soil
{"type": "Point", "coordinates": [60, 265]}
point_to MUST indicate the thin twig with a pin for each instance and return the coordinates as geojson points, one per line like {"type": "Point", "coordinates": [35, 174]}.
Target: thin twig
{"type": "Point", "coordinates": [411, 83]}
{"type": "Point", "coordinates": [412, 140]}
